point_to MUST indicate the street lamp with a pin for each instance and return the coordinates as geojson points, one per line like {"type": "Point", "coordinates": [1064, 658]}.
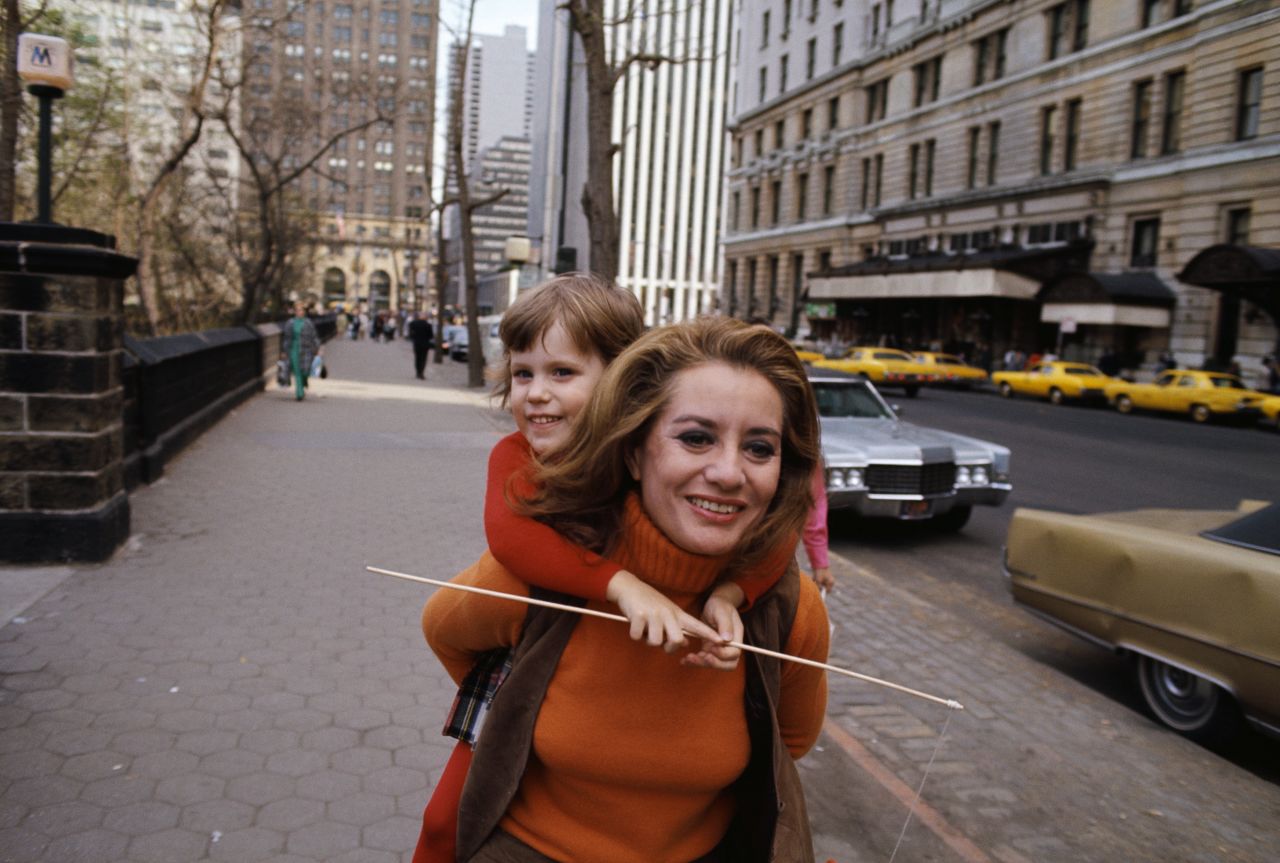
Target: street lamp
{"type": "Point", "coordinates": [44, 63]}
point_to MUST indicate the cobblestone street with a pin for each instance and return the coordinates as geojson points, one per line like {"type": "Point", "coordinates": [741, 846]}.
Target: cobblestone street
{"type": "Point", "coordinates": [234, 686]}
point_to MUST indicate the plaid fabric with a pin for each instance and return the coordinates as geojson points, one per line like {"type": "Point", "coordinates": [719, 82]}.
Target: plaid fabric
{"type": "Point", "coordinates": [476, 693]}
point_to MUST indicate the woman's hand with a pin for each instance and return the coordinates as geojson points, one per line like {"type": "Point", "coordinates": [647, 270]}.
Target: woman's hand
{"type": "Point", "coordinates": [721, 612]}
{"type": "Point", "coordinates": [653, 617]}
{"type": "Point", "coordinates": [823, 578]}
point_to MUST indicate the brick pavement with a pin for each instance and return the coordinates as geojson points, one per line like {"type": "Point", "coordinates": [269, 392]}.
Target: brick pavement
{"type": "Point", "coordinates": [233, 686]}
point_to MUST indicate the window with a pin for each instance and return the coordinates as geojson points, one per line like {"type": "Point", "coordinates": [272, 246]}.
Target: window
{"type": "Point", "coordinates": [764, 82]}
{"type": "Point", "coordinates": [833, 113]}
{"type": "Point", "coordinates": [993, 151]}
{"type": "Point", "coordinates": [971, 163]}
{"type": "Point", "coordinates": [1047, 117]}
{"type": "Point", "coordinates": [872, 174]}
{"type": "Point", "coordinates": [928, 76]}
{"type": "Point", "coordinates": [1146, 239]}
{"type": "Point", "coordinates": [759, 140]}
{"type": "Point", "coordinates": [786, 18]}
{"type": "Point", "coordinates": [782, 73]}
{"type": "Point", "coordinates": [1171, 120]}
{"type": "Point", "coordinates": [806, 123]}
{"type": "Point", "coordinates": [1248, 103]}
{"type": "Point", "coordinates": [913, 172]}
{"type": "Point", "coordinates": [989, 57]}
{"type": "Point", "coordinates": [1150, 11]}
{"type": "Point", "coordinates": [1068, 27]}
{"type": "Point", "coordinates": [735, 210]}
{"type": "Point", "coordinates": [802, 196]}
{"type": "Point", "coordinates": [1071, 136]}
{"type": "Point", "coordinates": [755, 206]}
{"type": "Point", "coordinates": [1237, 226]}
{"type": "Point", "coordinates": [828, 189]}
{"type": "Point", "coordinates": [930, 147]}
{"type": "Point", "coordinates": [775, 202]}
{"type": "Point", "coordinates": [837, 43]}
{"type": "Point", "coordinates": [779, 134]}
{"type": "Point", "coordinates": [764, 30]}
{"type": "Point", "coordinates": [920, 170]}
{"type": "Point", "coordinates": [877, 100]}
{"type": "Point", "coordinates": [810, 59]}
{"type": "Point", "coordinates": [1141, 121]}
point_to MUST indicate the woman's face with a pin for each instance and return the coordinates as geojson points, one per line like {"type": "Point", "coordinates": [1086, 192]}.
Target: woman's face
{"type": "Point", "coordinates": [709, 466]}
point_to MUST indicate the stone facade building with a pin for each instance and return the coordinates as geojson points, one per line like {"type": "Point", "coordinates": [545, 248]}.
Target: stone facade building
{"type": "Point", "coordinates": [1044, 175]}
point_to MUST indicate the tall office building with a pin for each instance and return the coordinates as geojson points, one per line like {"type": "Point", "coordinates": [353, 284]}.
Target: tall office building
{"type": "Point", "coordinates": [984, 175]}
{"type": "Point", "coordinates": [317, 70]}
{"type": "Point", "coordinates": [497, 107]}
{"type": "Point", "coordinates": [668, 125]}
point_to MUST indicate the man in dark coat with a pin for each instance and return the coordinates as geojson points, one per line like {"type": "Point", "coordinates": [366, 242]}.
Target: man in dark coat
{"type": "Point", "coordinates": [421, 334]}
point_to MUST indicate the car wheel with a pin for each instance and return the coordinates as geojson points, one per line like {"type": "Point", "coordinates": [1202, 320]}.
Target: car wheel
{"type": "Point", "coordinates": [1201, 413]}
{"type": "Point", "coordinates": [911, 392]}
{"type": "Point", "coordinates": [1055, 396]}
{"type": "Point", "coordinates": [953, 519]}
{"type": "Point", "coordinates": [1185, 702]}
{"type": "Point", "coordinates": [1006, 390]}
{"type": "Point", "coordinates": [1124, 404]}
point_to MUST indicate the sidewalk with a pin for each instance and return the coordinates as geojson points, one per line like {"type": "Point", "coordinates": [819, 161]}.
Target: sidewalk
{"type": "Point", "coordinates": [234, 686]}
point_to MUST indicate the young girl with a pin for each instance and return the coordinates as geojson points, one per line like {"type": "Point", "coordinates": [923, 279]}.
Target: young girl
{"type": "Point", "coordinates": [558, 340]}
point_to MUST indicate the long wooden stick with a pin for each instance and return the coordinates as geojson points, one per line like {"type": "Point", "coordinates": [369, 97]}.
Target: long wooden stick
{"type": "Point", "coordinates": [591, 612]}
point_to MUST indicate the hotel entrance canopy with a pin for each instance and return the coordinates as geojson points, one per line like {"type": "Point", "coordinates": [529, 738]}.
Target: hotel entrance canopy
{"type": "Point", "coordinates": [1108, 299]}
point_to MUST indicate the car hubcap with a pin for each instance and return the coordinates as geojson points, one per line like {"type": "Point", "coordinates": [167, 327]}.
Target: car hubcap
{"type": "Point", "coordinates": [1180, 699]}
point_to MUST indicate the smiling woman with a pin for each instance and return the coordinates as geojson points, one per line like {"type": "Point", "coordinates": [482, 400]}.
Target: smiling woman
{"type": "Point", "coordinates": [691, 460]}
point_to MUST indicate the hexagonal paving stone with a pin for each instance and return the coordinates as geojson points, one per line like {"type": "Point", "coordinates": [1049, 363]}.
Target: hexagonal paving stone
{"type": "Point", "coordinates": [124, 720]}
{"type": "Point", "coordinates": [90, 683]}
{"type": "Point", "coordinates": [142, 742]}
{"type": "Point", "coordinates": [330, 739]}
{"type": "Point", "coordinates": [278, 702]}
{"type": "Point", "coordinates": [244, 720]}
{"type": "Point", "coordinates": [45, 699]}
{"type": "Point", "coordinates": [139, 818]}
{"type": "Point", "coordinates": [333, 702]}
{"type": "Point", "coordinates": [290, 814]}
{"type": "Point", "coordinates": [186, 720]}
{"type": "Point", "coordinates": [362, 808]}
{"type": "Point", "coordinates": [395, 780]}
{"type": "Point", "coordinates": [168, 846]}
{"type": "Point", "coordinates": [248, 845]}
{"type": "Point", "coordinates": [11, 813]}
{"type": "Point", "coordinates": [63, 819]}
{"type": "Point", "coordinates": [303, 719]}
{"type": "Point", "coordinates": [223, 702]}
{"type": "Point", "coordinates": [23, 739]}
{"type": "Point", "coordinates": [392, 737]}
{"type": "Point", "coordinates": [21, 845]}
{"type": "Point", "coordinates": [190, 788]}
{"type": "Point", "coordinates": [361, 760]}
{"type": "Point", "coordinates": [324, 840]}
{"type": "Point", "coordinates": [328, 785]}
{"type": "Point", "coordinates": [260, 788]}
{"type": "Point", "coordinates": [365, 855]}
{"type": "Point", "coordinates": [231, 762]}
{"type": "Point", "coordinates": [206, 742]}
{"type": "Point", "coordinates": [76, 741]}
{"type": "Point", "coordinates": [159, 765]}
{"type": "Point", "coordinates": [396, 833]}
{"type": "Point", "coordinates": [28, 763]}
{"type": "Point", "coordinates": [296, 762]}
{"type": "Point", "coordinates": [95, 765]}
{"type": "Point", "coordinates": [90, 846]}
{"type": "Point", "coordinates": [118, 790]}
{"type": "Point", "coordinates": [44, 790]}
{"type": "Point", "coordinates": [361, 719]}
{"type": "Point", "coordinates": [221, 815]}
{"type": "Point", "coordinates": [268, 741]}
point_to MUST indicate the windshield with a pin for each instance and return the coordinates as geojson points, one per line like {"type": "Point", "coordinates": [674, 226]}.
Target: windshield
{"type": "Point", "coordinates": [1258, 530]}
{"type": "Point", "coordinates": [1082, 370]}
{"type": "Point", "coordinates": [892, 355]}
{"type": "Point", "coordinates": [1227, 383]}
{"type": "Point", "coordinates": [848, 400]}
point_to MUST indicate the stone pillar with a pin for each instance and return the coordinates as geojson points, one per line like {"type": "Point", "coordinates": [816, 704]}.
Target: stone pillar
{"type": "Point", "coordinates": [62, 495]}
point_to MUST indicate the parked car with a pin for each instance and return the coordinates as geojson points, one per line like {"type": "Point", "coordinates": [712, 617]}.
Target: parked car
{"type": "Point", "coordinates": [806, 355]}
{"type": "Point", "coordinates": [1056, 380]}
{"type": "Point", "coordinates": [1192, 596]}
{"type": "Point", "coordinates": [951, 369]}
{"type": "Point", "coordinates": [883, 367]}
{"type": "Point", "coordinates": [1200, 395]}
{"type": "Point", "coordinates": [878, 465]}
{"type": "Point", "coordinates": [1270, 407]}
{"type": "Point", "coordinates": [457, 339]}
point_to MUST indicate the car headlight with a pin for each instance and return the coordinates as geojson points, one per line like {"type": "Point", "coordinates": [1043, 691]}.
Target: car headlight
{"type": "Point", "coordinates": [962, 475]}
{"type": "Point", "coordinates": [980, 476]}
{"type": "Point", "coordinates": [844, 477]}
{"type": "Point", "coordinates": [974, 474]}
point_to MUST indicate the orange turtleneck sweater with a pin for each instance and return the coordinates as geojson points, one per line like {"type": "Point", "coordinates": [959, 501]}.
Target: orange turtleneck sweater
{"type": "Point", "coordinates": [632, 752]}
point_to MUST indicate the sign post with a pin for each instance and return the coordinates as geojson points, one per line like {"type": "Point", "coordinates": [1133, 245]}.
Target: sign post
{"type": "Point", "coordinates": [44, 63]}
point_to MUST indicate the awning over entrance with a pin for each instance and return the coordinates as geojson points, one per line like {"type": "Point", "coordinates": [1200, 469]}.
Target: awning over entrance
{"type": "Point", "coordinates": [1239, 273]}
{"type": "Point", "coordinates": [1109, 299]}
{"type": "Point", "coordinates": [948, 283]}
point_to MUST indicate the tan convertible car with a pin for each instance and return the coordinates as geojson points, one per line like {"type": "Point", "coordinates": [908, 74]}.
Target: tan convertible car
{"type": "Point", "coordinates": [1193, 596]}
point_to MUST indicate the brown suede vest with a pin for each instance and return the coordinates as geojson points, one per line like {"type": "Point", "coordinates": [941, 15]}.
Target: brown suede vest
{"type": "Point", "coordinates": [771, 824]}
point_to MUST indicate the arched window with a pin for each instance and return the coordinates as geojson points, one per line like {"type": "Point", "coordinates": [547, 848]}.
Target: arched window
{"type": "Point", "coordinates": [379, 290]}
{"type": "Point", "coordinates": [335, 286]}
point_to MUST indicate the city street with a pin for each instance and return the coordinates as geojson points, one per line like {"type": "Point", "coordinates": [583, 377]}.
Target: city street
{"type": "Point", "coordinates": [233, 685]}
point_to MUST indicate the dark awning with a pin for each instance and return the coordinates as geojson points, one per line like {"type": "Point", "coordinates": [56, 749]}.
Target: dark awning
{"type": "Point", "coordinates": [1037, 262]}
{"type": "Point", "coordinates": [1230, 266]}
{"type": "Point", "coordinates": [1129, 289]}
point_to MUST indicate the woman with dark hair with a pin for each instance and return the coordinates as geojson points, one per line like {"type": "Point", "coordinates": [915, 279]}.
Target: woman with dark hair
{"type": "Point", "coordinates": [692, 460]}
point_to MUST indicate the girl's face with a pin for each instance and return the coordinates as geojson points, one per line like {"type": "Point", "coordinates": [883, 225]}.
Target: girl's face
{"type": "Point", "coordinates": [550, 384]}
{"type": "Point", "coordinates": [709, 466]}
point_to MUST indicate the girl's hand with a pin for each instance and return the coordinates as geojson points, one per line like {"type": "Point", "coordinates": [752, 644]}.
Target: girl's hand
{"type": "Point", "coordinates": [721, 612]}
{"type": "Point", "coordinates": [653, 617]}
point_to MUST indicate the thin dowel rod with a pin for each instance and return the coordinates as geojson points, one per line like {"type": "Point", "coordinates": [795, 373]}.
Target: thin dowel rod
{"type": "Point", "coordinates": [591, 612]}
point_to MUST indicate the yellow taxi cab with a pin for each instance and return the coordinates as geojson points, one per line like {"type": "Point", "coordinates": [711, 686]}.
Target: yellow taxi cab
{"type": "Point", "coordinates": [950, 369]}
{"type": "Point", "coordinates": [884, 367]}
{"type": "Point", "coordinates": [1056, 380]}
{"type": "Point", "coordinates": [1201, 395]}
{"type": "Point", "coordinates": [807, 356]}
{"type": "Point", "coordinates": [1270, 407]}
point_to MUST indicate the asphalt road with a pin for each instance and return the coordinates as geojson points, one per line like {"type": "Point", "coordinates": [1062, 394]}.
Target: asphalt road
{"type": "Point", "coordinates": [1075, 459]}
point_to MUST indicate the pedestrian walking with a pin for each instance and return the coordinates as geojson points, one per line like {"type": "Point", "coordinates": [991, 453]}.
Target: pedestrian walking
{"type": "Point", "coordinates": [421, 334]}
{"type": "Point", "coordinates": [299, 346]}
{"type": "Point", "coordinates": [1272, 364]}
{"type": "Point", "coordinates": [642, 755]}
{"type": "Point", "coordinates": [558, 340]}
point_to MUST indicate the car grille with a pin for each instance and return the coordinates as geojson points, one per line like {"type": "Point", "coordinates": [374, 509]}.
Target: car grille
{"type": "Point", "coordinates": [911, 478]}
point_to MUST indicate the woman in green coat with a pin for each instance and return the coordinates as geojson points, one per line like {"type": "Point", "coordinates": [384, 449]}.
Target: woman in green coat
{"type": "Point", "coordinates": [299, 344]}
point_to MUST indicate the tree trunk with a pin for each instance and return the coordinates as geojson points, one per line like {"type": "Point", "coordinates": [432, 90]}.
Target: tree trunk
{"type": "Point", "coordinates": [587, 20]}
{"type": "Point", "coordinates": [10, 106]}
